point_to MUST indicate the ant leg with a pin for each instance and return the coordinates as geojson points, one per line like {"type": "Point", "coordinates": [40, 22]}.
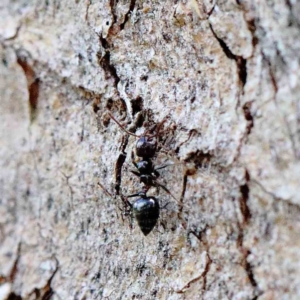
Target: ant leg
{"type": "Point", "coordinates": [135, 173]}
{"type": "Point", "coordinates": [128, 206]}
{"type": "Point", "coordinates": [166, 190]}
{"type": "Point", "coordinates": [133, 161]}
{"type": "Point", "coordinates": [126, 201]}
{"type": "Point", "coordinates": [105, 190]}
{"type": "Point", "coordinates": [165, 206]}
{"type": "Point", "coordinates": [163, 166]}
{"type": "Point", "coordinates": [133, 195]}
{"type": "Point", "coordinates": [165, 130]}
{"type": "Point", "coordinates": [159, 126]}
{"type": "Point", "coordinates": [168, 165]}
{"type": "Point", "coordinates": [121, 126]}
{"type": "Point", "coordinates": [191, 133]}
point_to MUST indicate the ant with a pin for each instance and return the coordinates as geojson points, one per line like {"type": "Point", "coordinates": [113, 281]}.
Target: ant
{"type": "Point", "coordinates": [145, 209]}
{"type": "Point", "coordinates": [146, 148]}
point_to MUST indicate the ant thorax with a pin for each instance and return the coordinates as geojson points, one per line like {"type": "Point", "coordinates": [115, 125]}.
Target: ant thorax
{"type": "Point", "coordinates": [145, 166]}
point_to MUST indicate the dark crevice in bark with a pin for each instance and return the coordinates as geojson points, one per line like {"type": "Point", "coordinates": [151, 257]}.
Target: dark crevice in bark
{"type": "Point", "coordinates": [244, 191]}
{"type": "Point", "coordinates": [250, 23]}
{"type": "Point", "coordinates": [246, 213]}
{"type": "Point", "coordinates": [180, 204]}
{"type": "Point", "coordinates": [33, 85]}
{"type": "Point", "coordinates": [14, 269]}
{"type": "Point", "coordinates": [12, 275]}
{"type": "Point", "coordinates": [246, 265]}
{"type": "Point", "coordinates": [15, 34]}
{"type": "Point", "coordinates": [252, 29]}
{"type": "Point", "coordinates": [223, 45]}
{"type": "Point", "coordinates": [242, 69]}
{"type": "Point", "coordinates": [248, 116]}
{"type": "Point", "coordinates": [184, 183]}
{"type": "Point", "coordinates": [292, 18]}
{"type": "Point", "coordinates": [112, 6]}
{"type": "Point", "coordinates": [13, 296]}
{"type": "Point", "coordinates": [271, 73]}
{"type": "Point", "coordinates": [249, 271]}
{"type": "Point", "coordinates": [208, 13]}
{"type": "Point", "coordinates": [199, 233]}
{"type": "Point", "coordinates": [118, 168]}
{"type": "Point", "coordinates": [136, 105]}
{"type": "Point", "coordinates": [96, 108]}
{"type": "Point", "coordinates": [89, 2]}
{"type": "Point", "coordinates": [201, 276]}
{"type": "Point", "coordinates": [138, 122]}
{"type": "Point", "coordinates": [109, 68]}
{"type": "Point", "coordinates": [240, 61]}
{"type": "Point", "coordinates": [199, 158]}
{"type": "Point", "coordinates": [126, 18]}
{"type": "Point", "coordinates": [46, 292]}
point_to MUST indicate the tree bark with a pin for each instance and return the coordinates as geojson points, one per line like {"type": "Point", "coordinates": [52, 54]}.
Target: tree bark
{"type": "Point", "coordinates": [226, 76]}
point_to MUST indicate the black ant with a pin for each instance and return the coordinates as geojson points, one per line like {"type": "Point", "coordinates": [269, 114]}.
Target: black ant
{"type": "Point", "coordinates": [145, 209]}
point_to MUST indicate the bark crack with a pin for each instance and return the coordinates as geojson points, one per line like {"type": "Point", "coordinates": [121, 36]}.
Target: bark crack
{"type": "Point", "coordinates": [11, 277]}
{"type": "Point", "coordinates": [127, 15]}
{"type": "Point", "coordinates": [15, 35]}
{"type": "Point", "coordinates": [240, 61]}
{"type": "Point", "coordinates": [246, 213]}
{"type": "Point", "coordinates": [244, 191]}
{"type": "Point", "coordinates": [202, 275]}
{"type": "Point", "coordinates": [46, 292]}
{"type": "Point", "coordinates": [33, 86]}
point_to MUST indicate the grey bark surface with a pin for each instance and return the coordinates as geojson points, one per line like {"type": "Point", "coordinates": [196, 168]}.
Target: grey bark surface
{"type": "Point", "coordinates": [224, 72]}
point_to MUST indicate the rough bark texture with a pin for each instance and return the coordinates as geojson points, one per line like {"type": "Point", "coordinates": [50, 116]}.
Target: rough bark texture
{"type": "Point", "coordinates": [225, 72]}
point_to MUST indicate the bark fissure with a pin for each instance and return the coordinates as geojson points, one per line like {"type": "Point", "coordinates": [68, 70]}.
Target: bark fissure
{"type": "Point", "coordinates": [244, 191]}
{"type": "Point", "coordinates": [240, 61]}
{"type": "Point", "coordinates": [203, 276]}
{"type": "Point", "coordinates": [46, 292]}
{"type": "Point", "coordinates": [127, 16]}
{"type": "Point", "coordinates": [33, 85]}
{"type": "Point", "coordinates": [242, 226]}
{"type": "Point", "coordinates": [248, 116]}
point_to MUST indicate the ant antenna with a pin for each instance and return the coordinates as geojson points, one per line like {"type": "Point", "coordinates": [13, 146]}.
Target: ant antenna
{"type": "Point", "coordinates": [138, 136]}
{"type": "Point", "coordinates": [122, 127]}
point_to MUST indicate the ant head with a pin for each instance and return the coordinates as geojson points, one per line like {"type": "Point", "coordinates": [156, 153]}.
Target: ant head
{"type": "Point", "coordinates": [146, 146]}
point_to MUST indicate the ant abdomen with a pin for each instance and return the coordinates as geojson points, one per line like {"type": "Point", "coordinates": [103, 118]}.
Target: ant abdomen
{"type": "Point", "coordinates": [146, 213]}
